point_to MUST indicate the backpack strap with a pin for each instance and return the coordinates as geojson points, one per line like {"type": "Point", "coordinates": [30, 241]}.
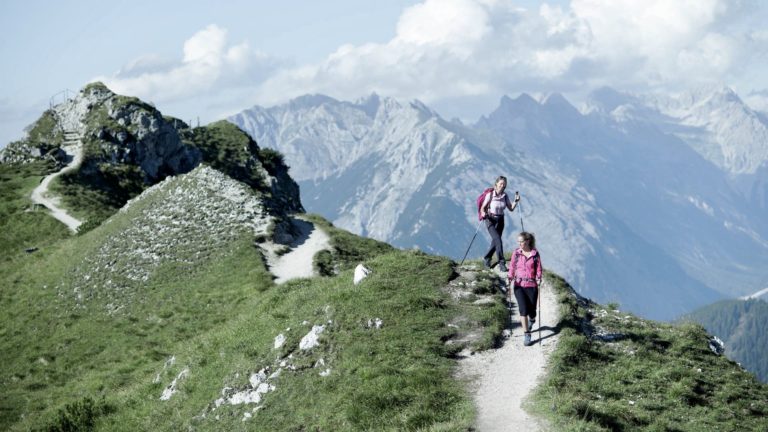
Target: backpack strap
{"type": "Point", "coordinates": [489, 195]}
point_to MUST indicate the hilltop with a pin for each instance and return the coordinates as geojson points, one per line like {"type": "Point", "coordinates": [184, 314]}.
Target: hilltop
{"type": "Point", "coordinates": [125, 145]}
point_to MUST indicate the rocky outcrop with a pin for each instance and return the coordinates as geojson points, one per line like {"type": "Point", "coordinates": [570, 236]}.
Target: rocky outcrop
{"type": "Point", "coordinates": [114, 129]}
{"type": "Point", "coordinates": [42, 142]}
{"type": "Point", "coordinates": [127, 145]}
{"type": "Point", "coordinates": [124, 130]}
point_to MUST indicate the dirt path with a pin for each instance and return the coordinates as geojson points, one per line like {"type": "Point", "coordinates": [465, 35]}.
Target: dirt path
{"type": "Point", "coordinates": [298, 262]}
{"type": "Point", "coordinates": [505, 376]}
{"type": "Point", "coordinates": [40, 194]}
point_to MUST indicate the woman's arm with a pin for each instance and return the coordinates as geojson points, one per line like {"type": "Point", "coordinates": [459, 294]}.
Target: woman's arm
{"type": "Point", "coordinates": [513, 205]}
{"type": "Point", "coordinates": [512, 262]}
{"type": "Point", "coordinates": [539, 269]}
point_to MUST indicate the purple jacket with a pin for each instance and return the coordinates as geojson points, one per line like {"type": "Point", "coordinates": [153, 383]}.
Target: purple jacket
{"type": "Point", "coordinates": [525, 272]}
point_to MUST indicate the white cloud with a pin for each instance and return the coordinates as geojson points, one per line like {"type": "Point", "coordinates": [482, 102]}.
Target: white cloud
{"type": "Point", "coordinates": [431, 56]}
{"type": "Point", "coordinates": [467, 53]}
{"type": "Point", "coordinates": [447, 49]}
{"type": "Point", "coordinates": [448, 22]}
{"type": "Point", "coordinates": [657, 42]}
{"type": "Point", "coordinates": [209, 65]}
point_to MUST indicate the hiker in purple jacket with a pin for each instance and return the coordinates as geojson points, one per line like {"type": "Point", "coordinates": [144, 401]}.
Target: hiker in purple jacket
{"type": "Point", "coordinates": [525, 276]}
{"type": "Point", "coordinates": [492, 211]}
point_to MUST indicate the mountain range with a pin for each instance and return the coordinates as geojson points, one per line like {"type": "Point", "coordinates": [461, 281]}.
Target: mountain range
{"type": "Point", "coordinates": [654, 202]}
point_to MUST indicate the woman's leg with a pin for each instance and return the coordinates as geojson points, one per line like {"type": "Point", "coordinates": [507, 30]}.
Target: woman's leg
{"type": "Point", "coordinates": [524, 323]}
{"type": "Point", "coordinates": [500, 245]}
{"type": "Point", "coordinates": [533, 296]}
{"type": "Point", "coordinates": [523, 306]}
{"type": "Point", "coordinates": [492, 225]}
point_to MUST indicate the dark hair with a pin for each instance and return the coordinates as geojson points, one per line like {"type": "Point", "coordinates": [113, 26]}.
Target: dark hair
{"type": "Point", "coordinates": [529, 237]}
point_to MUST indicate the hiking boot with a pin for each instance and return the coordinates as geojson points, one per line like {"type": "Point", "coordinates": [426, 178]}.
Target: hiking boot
{"type": "Point", "coordinates": [502, 267]}
{"type": "Point", "coordinates": [527, 339]}
{"type": "Point", "coordinates": [487, 262]}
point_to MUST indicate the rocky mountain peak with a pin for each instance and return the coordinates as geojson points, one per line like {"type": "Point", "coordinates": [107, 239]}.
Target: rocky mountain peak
{"type": "Point", "coordinates": [128, 145]}
{"type": "Point", "coordinates": [607, 99]}
{"type": "Point", "coordinates": [422, 108]}
{"type": "Point", "coordinates": [709, 94]}
{"type": "Point", "coordinates": [557, 105]}
{"type": "Point", "coordinates": [370, 104]}
{"type": "Point", "coordinates": [310, 101]}
{"type": "Point", "coordinates": [522, 103]}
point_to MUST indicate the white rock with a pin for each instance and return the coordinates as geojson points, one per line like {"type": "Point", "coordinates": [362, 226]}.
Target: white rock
{"type": "Point", "coordinates": [279, 340]}
{"type": "Point", "coordinates": [172, 388]}
{"type": "Point", "coordinates": [375, 323]}
{"type": "Point", "coordinates": [311, 339]}
{"type": "Point", "coordinates": [361, 272]}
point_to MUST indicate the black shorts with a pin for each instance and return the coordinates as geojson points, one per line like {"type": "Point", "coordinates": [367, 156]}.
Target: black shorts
{"type": "Point", "coordinates": [526, 300]}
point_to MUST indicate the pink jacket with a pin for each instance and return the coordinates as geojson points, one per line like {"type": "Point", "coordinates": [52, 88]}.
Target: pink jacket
{"type": "Point", "coordinates": [525, 272]}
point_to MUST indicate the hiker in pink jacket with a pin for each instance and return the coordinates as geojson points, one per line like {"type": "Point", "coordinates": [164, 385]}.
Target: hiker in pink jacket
{"type": "Point", "coordinates": [525, 276]}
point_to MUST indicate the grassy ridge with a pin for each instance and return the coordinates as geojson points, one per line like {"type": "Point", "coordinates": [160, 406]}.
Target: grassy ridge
{"type": "Point", "coordinates": [55, 353]}
{"type": "Point", "coordinates": [71, 364]}
{"type": "Point", "coordinates": [613, 371]}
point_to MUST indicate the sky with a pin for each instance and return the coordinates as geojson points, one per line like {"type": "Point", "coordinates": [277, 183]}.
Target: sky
{"type": "Point", "coordinates": [206, 60]}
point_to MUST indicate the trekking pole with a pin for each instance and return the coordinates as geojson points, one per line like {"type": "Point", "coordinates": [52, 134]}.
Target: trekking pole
{"type": "Point", "coordinates": [541, 317]}
{"type": "Point", "coordinates": [470, 242]}
{"type": "Point", "coordinates": [520, 204]}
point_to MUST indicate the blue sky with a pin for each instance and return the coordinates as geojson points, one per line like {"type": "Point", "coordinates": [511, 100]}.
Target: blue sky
{"type": "Point", "coordinates": [208, 59]}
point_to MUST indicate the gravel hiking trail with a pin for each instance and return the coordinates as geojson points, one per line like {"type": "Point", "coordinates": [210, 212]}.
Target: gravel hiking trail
{"type": "Point", "coordinates": [502, 378]}
{"type": "Point", "coordinates": [298, 262]}
{"type": "Point", "coordinates": [40, 194]}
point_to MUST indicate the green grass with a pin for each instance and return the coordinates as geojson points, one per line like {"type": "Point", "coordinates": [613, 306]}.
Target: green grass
{"type": "Point", "coordinates": [642, 375]}
{"type": "Point", "coordinates": [228, 149]}
{"type": "Point", "coordinates": [489, 318]}
{"type": "Point", "coordinates": [70, 363]}
{"type": "Point", "coordinates": [397, 377]}
{"type": "Point", "coordinates": [22, 225]}
{"type": "Point", "coordinates": [743, 327]}
{"type": "Point", "coordinates": [44, 132]}
{"type": "Point", "coordinates": [86, 351]}
{"type": "Point", "coordinates": [93, 199]}
{"type": "Point", "coordinates": [348, 249]}
{"type": "Point", "coordinates": [102, 362]}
